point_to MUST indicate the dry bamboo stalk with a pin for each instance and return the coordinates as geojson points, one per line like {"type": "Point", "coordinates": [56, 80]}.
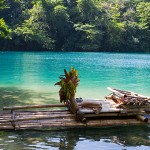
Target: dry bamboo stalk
{"type": "Point", "coordinates": [35, 118]}
{"type": "Point", "coordinates": [4, 113]}
{"type": "Point", "coordinates": [116, 92]}
{"type": "Point", "coordinates": [117, 99]}
{"type": "Point", "coordinates": [6, 127]}
{"type": "Point", "coordinates": [111, 110]}
{"type": "Point", "coordinates": [111, 114]}
{"type": "Point", "coordinates": [28, 124]}
{"type": "Point", "coordinates": [44, 111]}
{"type": "Point", "coordinates": [40, 116]}
{"type": "Point", "coordinates": [128, 93]}
{"type": "Point", "coordinates": [112, 122]}
{"type": "Point", "coordinates": [39, 112]}
{"type": "Point", "coordinates": [43, 119]}
{"type": "Point", "coordinates": [31, 126]}
{"type": "Point", "coordinates": [103, 101]}
{"type": "Point", "coordinates": [24, 114]}
{"type": "Point", "coordinates": [34, 106]}
{"type": "Point", "coordinates": [134, 110]}
{"type": "Point", "coordinates": [132, 93]}
{"type": "Point", "coordinates": [131, 101]}
{"type": "Point", "coordinates": [104, 110]}
{"type": "Point", "coordinates": [5, 124]}
{"type": "Point", "coordinates": [56, 122]}
{"type": "Point", "coordinates": [3, 117]}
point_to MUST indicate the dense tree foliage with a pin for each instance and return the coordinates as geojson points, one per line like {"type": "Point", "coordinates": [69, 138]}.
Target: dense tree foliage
{"type": "Point", "coordinates": [75, 25]}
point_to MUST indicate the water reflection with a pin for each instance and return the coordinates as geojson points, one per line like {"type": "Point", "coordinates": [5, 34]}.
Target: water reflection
{"type": "Point", "coordinates": [127, 137]}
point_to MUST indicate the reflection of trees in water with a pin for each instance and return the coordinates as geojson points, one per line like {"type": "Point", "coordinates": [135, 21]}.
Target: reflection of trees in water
{"type": "Point", "coordinates": [10, 96]}
{"type": "Point", "coordinates": [126, 136]}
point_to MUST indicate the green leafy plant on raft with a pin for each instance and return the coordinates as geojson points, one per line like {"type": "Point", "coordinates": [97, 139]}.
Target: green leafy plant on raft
{"type": "Point", "coordinates": [68, 83]}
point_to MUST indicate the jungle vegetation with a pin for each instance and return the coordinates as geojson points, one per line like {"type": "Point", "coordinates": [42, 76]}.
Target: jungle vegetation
{"type": "Point", "coordinates": [75, 25]}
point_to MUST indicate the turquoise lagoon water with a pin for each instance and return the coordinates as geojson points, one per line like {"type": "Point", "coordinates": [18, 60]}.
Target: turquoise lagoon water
{"type": "Point", "coordinates": [29, 78]}
{"type": "Point", "coordinates": [97, 71]}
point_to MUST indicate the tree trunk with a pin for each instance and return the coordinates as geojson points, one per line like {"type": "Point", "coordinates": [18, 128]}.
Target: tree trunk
{"type": "Point", "coordinates": [74, 104]}
{"type": "Point", "coordinates": [76, 110]}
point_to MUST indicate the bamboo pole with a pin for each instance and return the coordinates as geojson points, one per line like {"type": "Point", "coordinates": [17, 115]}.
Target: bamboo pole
{"type": "Point", "coordinates": [132, 94]}
{"type": "Point", "coordinates": [42, 111]}
{"type": "Point", "coordinates": [116, 92]}
{"type": "Point", "coordinates": [34, 106]}
{"type": "Point", "coordinates": [129, 93]}
{"type": "Point", "coordinates": [36, 118]}
{"type": "Point", "coordinates": [129, 98]}
{"type": "Point", "coordinates": [110, 114]}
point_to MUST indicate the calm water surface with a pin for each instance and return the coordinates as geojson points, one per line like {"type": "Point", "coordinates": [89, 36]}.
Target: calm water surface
{"type": "Point", "coordinates": [29, 78]}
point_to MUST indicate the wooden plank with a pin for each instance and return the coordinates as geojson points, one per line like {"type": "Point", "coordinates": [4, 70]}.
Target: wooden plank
{"type": "Point", "coordinates": [34, 106]}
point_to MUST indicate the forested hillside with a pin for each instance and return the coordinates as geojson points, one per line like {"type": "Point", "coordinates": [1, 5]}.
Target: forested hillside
{"type": "Point", "coordinates": [75, 25]}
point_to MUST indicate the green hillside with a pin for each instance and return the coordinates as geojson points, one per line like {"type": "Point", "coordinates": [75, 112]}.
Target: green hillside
{"type": "Point", "coordinates": [70, 25]}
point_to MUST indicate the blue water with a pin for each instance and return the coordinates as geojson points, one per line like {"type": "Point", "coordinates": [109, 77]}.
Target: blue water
{"type": "Point", "coordinates": [97, 71]}
{"type": "Point", "coordinates": [29, 78]}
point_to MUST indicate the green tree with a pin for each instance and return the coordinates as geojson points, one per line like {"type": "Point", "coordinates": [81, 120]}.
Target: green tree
{"type": "Point", "coordinates": [33, 31]}
{"type": "Point", "coordinates": [114, 27]}
{"type": "Point", "coordinates": [4, 30]}
{"type": "Point", "coordinates": [89, 37]}
{"type": "Point", "coordinates": [63, 25]}
{"type": "Point", "coordinates": [3, 4]}
{"type": "Point", "coordinates": [143, 15]}
{"type": "Point", "coordinates": [88, 10]}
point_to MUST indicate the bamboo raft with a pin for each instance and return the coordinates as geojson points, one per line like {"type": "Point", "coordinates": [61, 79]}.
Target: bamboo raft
{"type": "Point", "coordinates": [112, 111]}
{"type": "Point", "coordinates": [48, 120]}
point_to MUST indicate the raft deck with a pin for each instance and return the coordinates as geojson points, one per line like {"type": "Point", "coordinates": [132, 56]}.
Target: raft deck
{"type": "Point", "coordinates": [17, 118]}
{"type": "Point", "coordinates": [44, 120]}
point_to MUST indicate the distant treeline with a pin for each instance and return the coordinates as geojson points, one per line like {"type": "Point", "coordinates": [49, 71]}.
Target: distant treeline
{"type": "Point", "coordinates": [75, 25]}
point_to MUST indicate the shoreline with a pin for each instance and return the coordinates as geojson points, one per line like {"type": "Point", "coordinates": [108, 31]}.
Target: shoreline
{"type": "Point", "coordinates": [43, 51]}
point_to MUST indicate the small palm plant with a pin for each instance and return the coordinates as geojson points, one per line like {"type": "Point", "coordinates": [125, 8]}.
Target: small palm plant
{"type": "Point", "coordinates": [68, 83]}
